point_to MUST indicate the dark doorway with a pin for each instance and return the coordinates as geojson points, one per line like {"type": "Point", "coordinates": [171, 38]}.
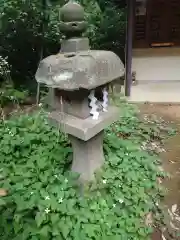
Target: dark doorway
{"type": "Point", "coordinates": [140, 24]}
{"type": "Point", "coordinates": [157, 23]}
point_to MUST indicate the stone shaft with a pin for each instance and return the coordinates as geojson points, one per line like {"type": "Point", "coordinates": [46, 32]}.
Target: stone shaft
{"type": "Point", "coordinates": [87, 156]}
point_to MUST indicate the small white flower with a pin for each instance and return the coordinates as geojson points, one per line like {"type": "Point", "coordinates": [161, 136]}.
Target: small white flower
{"type": "Point", "coordinates": [114, 205]}
{"type": "Point", "coordinates": [56, 176]}
{"type": "Point", "coordinates": [47, 210]}
{"type": "Point", "coordinates": [31, 193]}
{"type": "Point", "coordinates": [104, 181]}
{"type": "Point", "coordinates": [127, 154]}
{"type": "Point", "coordinates": [10, 133]}
{"type": "Point", "coordinates": [120, 200]}
{"type": "Point", "coordinates": [40, 104]}
{"type": "Point", "coordinates": [66, 180]}
{"type": "Point", "coordinates": [47, 198]}
{"type": "Point", "coordinates": [60, 200]}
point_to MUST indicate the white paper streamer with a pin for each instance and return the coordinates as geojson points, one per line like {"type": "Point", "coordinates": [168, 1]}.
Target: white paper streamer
{"type": "Point", "coordinates": [93, 105]}
{"type": "Point", "coordinates": [105, 99]}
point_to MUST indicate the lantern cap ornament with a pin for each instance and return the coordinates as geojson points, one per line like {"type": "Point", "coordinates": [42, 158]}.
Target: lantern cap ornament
{"type": "Point", "coordinates": [72, 20]}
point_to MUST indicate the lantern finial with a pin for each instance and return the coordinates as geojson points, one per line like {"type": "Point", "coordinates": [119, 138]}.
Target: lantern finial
{"type": "Point", "coordinates": [72, 18]}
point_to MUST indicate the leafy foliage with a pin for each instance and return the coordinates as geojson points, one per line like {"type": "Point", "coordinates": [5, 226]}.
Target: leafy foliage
{"type": "Point", "coordinates": [4, 69]}
{"type": "Point", "coordinates": [44, 201]}
{"type": "Point", "coordinates": [107, 27]}
{"type": "Point", "coordinates": [29, 30]}
{"type": "Point", "coordinates": [25, 31]}
{"type": "Point", "coordinates": [8, 94]}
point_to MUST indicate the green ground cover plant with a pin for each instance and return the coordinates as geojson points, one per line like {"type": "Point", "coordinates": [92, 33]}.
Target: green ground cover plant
{"type": "Point", "coordinates": [44, 201]}
{"type": "Point", "coordinates": [8, 94]}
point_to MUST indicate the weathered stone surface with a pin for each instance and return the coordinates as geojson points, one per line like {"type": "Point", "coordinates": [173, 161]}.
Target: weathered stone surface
{"type": "Point", "coordinates": [74, 45]}
{"type": "Point", "coordinates": [72, 12]}
{"type": "Point", "coordinates": [85, 69]}
{"type": "Point", "coordinates": [88, 156]}
{"type": "Point", "coordinates": [85, 129]}
{"type": "Point", "coordinates": [74, 102]}
{"type": "Point", "coordinates": [72, 17]}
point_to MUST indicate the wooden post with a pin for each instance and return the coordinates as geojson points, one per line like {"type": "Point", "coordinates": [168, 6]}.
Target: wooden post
{"type": "Point", "coordinates": [129, 39]}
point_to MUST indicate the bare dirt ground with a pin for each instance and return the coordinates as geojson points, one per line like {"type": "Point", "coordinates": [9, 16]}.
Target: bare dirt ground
{"type": "Point", "coordinates": [170, 162]}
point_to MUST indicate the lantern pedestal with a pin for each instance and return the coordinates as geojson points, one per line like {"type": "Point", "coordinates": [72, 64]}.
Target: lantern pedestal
{"type": "Point", "coordinates": [88, 156]}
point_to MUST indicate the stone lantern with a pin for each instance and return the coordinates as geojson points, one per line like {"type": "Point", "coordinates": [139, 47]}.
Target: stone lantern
{"type": "Point", "coordinates": [78, 79]}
